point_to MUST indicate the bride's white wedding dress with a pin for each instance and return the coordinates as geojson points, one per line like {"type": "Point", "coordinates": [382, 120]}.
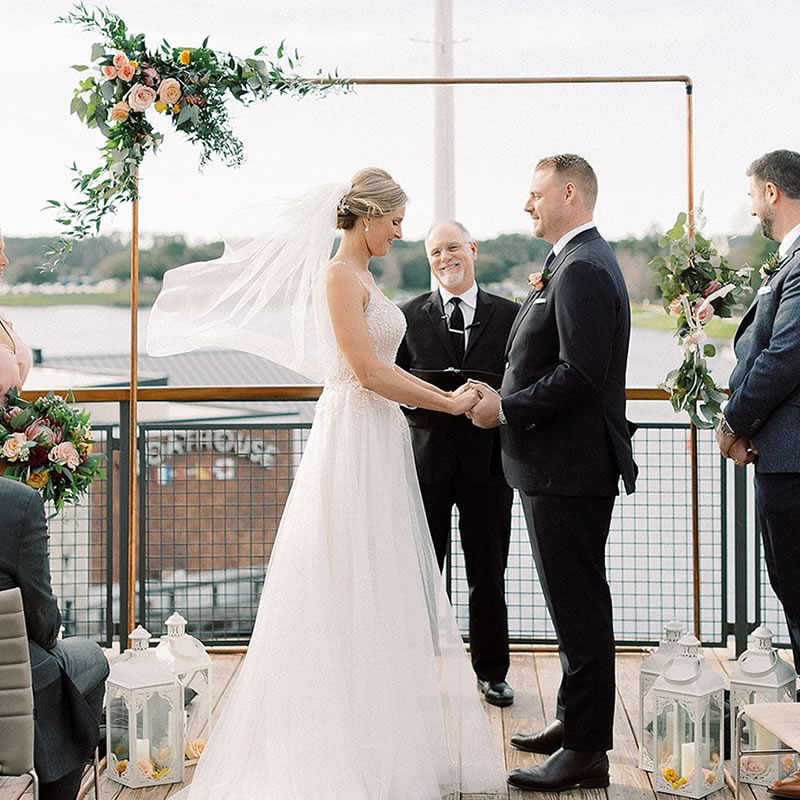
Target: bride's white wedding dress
{"type": "Point", "coordinates": [356, 685]}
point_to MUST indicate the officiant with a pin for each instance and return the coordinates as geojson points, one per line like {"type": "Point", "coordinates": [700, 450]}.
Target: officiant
{"type": "Point", "coordinates": [457, 332]}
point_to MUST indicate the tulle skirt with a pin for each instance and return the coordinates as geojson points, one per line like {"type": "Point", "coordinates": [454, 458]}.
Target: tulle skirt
{"type": "Point", "coordinates": [356, 685]}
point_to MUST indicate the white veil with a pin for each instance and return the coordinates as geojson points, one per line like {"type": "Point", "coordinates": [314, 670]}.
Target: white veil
{"type": "Point", "coordinates": [264, 295]}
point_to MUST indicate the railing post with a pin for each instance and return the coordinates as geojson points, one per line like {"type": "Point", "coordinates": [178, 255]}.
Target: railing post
{"type": "Point", "coordinates": [110, 548]}
{"type": "Point", "coordinates": [741, 625]}
{"type": "Point", "coordinates": [124, 501]}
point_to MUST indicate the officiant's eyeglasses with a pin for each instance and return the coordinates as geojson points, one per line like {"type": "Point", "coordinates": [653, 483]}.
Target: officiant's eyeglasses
{"type": "Point", "coordinates": [453, 247]}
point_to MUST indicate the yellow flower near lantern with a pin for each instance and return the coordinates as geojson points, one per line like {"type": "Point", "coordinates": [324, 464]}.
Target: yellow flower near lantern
{"type": "Point", "coordinates": [185, 57]}
{"type": "Point", "coordinates": [37, 479]}
{"type": "Point", "coordinates": [160, 106]}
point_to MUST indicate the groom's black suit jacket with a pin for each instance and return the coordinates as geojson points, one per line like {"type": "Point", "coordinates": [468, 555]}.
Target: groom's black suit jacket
{"type": "Point", "coordinates": [564, 385]}
{"type": "Point", "coordinates": [443, 442]}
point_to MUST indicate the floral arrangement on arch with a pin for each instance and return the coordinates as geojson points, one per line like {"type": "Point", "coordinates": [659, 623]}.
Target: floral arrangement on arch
{"type": "Point", "coordinates": [47, 444]}
{"type": "Point", "coordinates": [696, 284]}
{"type": "Point", "coordinates": [130, 84]}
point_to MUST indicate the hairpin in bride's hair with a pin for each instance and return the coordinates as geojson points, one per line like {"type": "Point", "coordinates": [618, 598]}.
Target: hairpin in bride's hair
{"type": "Point", "coordinates": [343, 209]}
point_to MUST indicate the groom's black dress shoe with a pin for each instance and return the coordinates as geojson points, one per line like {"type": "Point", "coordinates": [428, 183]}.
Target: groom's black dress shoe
{"type": "Point", "coordinates": [546, 741]}
{"type": "Point", "coordinates": [565, 769]}
{"type": "Point", "coordinates": [497, 693]}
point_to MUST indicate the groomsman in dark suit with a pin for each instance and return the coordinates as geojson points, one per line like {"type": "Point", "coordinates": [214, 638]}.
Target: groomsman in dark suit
{"type": "Point", "coordinates": [456, 332]}
{"type": "Point", "coordinates": [566, 442]}
{"type": "Point", "coordinates": [761, 421]}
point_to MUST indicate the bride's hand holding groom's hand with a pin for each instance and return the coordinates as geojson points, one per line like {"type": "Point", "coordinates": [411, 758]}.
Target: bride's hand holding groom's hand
{"type": "Point", "coordinates": [484, 412]}
{"type": "Point", "coordinates": [463, 399]}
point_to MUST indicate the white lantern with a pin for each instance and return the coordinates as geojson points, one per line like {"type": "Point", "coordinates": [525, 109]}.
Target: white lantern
{"type": "Point", "coordinates": [762, 676]}
{"type": "Point", "coordinates": [144, 718]}
{"type": "Point", "coordinates": [688, 697]}
{"type": "Point", "coordinates": [648, 672]}
{"type": "Point", "coordinates": [189, 662]}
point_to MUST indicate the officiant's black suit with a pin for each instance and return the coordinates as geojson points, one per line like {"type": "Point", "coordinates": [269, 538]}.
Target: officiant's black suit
{"type": "Point", "coordinates": [455, 462]}
{"type": "Point", "coordinates": [565, 445]}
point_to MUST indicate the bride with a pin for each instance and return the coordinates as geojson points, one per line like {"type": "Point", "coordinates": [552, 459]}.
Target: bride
{"type": "Point", "coordinates": [356, 685]}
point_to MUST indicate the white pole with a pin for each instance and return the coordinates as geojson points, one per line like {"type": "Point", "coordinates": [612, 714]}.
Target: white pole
{"type": "Point", "coordinates": [443, 121]}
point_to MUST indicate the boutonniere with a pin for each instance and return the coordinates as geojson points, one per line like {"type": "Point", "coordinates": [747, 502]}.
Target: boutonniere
{"type": "Point", "coordinates": [770, 265]}
{"type": "Point", "coordinates": [538, 280]}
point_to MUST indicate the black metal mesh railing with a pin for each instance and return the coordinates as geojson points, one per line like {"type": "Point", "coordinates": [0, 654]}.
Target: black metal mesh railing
{"type": "Point", "coordinates": [81, 555]}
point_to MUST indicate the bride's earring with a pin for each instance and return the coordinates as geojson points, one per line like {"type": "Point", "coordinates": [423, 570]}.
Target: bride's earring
{"type": "Point", "coordinates": [366, 227]}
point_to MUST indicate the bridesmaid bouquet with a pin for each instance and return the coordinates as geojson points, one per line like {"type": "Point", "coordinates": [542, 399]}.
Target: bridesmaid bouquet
{"type": "Point", "coordinates": [47, 444]}
{"type": "Point", "coordinates": [696, 284]}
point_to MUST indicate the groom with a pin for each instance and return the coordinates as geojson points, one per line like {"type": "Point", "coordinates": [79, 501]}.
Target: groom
{"type": "Point", "coordinates": [565, 443]}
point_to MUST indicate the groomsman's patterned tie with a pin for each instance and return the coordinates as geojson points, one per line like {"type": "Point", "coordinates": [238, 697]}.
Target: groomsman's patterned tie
{"type": "Point", "coordinates": [456, 329]}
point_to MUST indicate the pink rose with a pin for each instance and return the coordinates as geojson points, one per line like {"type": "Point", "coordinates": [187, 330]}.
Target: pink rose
{"type": "Point", "coordinates": [40, 430]}
{"type": "Point", "coordinates": [120, 112]}
{"type": "Point", "coordinates": [14, 411]}
{"type": "Point", "coordinates": [703, 311]}
{"type": "Point", "coordinates": [120, 59]}
{"type": "Point", "coordinates": [109, 72]}
{"type": "Point", "coordinates": [126, 72]}
{"type": "Point", "coordinates": [713, 286]}
{"type": "Point", "coordinates": [14, 447]}
{"type": "Point", "coordinates": [676, 306]}
{"type": "Point", "coordinates": [66, 455]}
{"type": "Point", "coordinates": [169, 91]}
{"type": "Point", "coordinates": [140, 97]}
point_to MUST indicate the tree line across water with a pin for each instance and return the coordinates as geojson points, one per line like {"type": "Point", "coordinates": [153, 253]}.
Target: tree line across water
{"type": "Point", "coordinates": [503, 262]}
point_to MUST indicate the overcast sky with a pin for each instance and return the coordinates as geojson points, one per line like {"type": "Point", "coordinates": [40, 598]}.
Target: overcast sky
{"type": "Point", "coordinates": [741, 54]}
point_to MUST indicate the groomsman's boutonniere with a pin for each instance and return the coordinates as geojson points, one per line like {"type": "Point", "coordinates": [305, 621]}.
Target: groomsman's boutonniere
{"type": "Point", "coordinates": [538, 280]}
{"type": "Point", "coordinates": [770, 265]}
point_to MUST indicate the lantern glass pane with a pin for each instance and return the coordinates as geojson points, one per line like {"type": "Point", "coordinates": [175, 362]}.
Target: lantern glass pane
{"type": "Point", "coordinates": [648, 710]}
{"type": "Point", "coordinates": [711, 744]}
{"type": "Point", "coordinates": [198, 713]}
{"type": "Point", "coordinates": [675, 732]}
{"type": "Point", "coordinates": [118, 744]}
{"type": "Point", "coordinates": [155, 749]}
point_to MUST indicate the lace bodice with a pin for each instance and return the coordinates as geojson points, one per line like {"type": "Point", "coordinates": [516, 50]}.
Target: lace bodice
{"type": "Point", "coordinates": [387, 326]}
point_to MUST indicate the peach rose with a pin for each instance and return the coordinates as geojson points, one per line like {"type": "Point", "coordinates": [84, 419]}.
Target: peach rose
{"type": "Point", "coordinates": [676, 306]}
{"type": "Point", "coordinates": [169, 91]}
{"type": "Point", "coordinates": [185, 57]}
{"type": "Point", "coordinates": [36, 480]}
{"type": "Point", "coordinates": [120, 112]}
{"type": "Point", "coordinates": [195, 748]}
{"type": "Point", "coordinates": [140, 98]}
{"type": "Point", "coordinates": [536, 279]}
{"type": "Point", "coordinates": [65, 454]}
{"type": "Point", "coordinates": [14, 447]}
{"type": "Point", "coordinates": [120, 59]}
{"type": "Point", "coordinates": [126, 71]}
{"type": "Point", "coordinates": [109, 72]}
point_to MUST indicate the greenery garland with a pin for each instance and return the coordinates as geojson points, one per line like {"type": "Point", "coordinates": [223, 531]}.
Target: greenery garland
{"type": "Point", "coordinates": [188, 85]}
{"type": "Point", "coordinates": [696, 284]}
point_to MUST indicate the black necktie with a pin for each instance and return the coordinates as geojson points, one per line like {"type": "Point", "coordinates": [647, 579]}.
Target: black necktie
{"type": "Point", "coordinates": [456, 329]}
{"type": "Point", "coordinates": [551, 257]}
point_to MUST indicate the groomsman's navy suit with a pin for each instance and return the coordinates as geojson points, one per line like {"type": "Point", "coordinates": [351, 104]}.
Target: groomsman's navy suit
{"type": "Point", "coordinates": [565, 445]}
{"type": "Point", "coordinates": [455, 463]}
{"type": "Point", "coordinates": [765, 408]}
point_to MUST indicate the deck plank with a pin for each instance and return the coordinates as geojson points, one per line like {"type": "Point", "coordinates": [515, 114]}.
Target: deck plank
{"type": "Point", "coordinates": [14, 788]}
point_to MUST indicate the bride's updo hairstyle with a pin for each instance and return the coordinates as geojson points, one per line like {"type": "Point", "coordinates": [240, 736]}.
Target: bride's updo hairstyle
{"type": "Point", "coordinates": [373, 193]}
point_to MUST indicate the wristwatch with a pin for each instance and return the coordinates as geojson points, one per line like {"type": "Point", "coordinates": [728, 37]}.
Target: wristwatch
{"type": "Point", "coordinates": [501, 417]}
{"type": "Point", "coordinates": [725, 429]}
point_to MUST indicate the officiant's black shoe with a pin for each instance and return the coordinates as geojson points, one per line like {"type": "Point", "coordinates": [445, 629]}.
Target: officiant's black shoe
{"type": "Point", "coordinates": [497, 693]}
{"type": "Point", "coordinates": [546, 741]}
{"type": "Point", "coordinates": [565, 769]}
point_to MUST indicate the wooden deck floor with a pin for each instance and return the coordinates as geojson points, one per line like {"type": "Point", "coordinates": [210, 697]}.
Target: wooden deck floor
{"type": "Point", "coordinates": [534, 677]}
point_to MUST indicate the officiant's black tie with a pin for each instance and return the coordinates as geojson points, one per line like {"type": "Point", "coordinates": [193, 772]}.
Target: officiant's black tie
{"type": "Point", "coordinates": [456, 329]}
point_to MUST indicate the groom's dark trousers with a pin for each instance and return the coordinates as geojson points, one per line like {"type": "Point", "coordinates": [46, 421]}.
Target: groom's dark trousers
{"type": "Point", "coordinates": [565, 446]}
{"type": "Point", "coordinates": [458, 464]}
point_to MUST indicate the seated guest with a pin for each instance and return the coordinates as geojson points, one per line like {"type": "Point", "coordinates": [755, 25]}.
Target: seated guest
{"type": "Point", "coordinates": [68, 675]}
{"type": "Point", "coordinates": [15, 355]}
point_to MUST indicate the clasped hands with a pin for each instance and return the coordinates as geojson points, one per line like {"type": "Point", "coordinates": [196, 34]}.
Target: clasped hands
{"type": "Point", "coordinates": [740, 451]}
{"type": "Point", "coordinates": [485, 403]}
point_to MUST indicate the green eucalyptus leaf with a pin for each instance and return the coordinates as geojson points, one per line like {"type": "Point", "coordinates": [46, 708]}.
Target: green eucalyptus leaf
{"type": "Point", "coordinates": [98, 51]}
